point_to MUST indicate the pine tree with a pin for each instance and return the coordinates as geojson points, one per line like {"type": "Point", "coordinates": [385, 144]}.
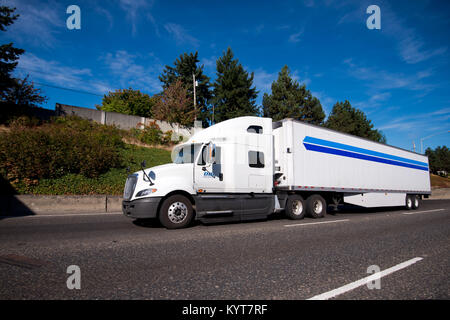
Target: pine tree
{"type": "Point", "coordinates": [233, 92]}
{"type": "Point", "coordinates": [289, 99]}
{"type": "Point", "coordinates": [184, 67]}
{"type": "Point", "coordinates": [8, 54]}
{"type": "Point", "coordinates": [345, 118]}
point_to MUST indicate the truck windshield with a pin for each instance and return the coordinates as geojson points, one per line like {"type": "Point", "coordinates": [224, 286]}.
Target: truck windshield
{"type": "Point", "coordinates": [186, 153]}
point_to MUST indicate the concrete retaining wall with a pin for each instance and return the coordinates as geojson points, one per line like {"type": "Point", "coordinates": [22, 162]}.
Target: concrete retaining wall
{"type": "Point", "coordinates": [125, 121]}
{"type": "Point", "coordinates": [42, 204]}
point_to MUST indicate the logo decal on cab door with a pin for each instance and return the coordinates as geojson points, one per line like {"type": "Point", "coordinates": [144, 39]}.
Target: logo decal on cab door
{"type": "Point", "coordinates": [208, 175]}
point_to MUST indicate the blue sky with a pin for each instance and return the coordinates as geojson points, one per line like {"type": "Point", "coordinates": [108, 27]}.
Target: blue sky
{"type": "Point", "coordinates": [399, 75]}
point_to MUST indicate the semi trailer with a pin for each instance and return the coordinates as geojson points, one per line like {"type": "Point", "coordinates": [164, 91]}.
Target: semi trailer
{"type": "Point", "coordinates": [251, 167]}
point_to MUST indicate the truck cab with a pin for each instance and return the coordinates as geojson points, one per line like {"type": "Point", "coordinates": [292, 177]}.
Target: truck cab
{"type": "Point", "coordinates": [222, 173]}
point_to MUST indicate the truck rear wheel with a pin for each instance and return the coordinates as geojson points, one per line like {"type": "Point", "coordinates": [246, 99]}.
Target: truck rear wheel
{"type": "Point", "coordinates": [295, 207]}
{"type": "Point", "coordinates": [176, 212]}
{"type": "Point", "coordinates": [316, 206]}
{"type": "Point", "coordinates": [416, 201]}
{"type": "Point", "coordinates": [409, 202]}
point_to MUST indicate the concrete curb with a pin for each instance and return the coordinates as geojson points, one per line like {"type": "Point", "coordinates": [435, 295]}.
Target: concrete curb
{"type": "Point", "coordinates": [46, 204]}
{"type": "Point", "coordinates": [19, 205]}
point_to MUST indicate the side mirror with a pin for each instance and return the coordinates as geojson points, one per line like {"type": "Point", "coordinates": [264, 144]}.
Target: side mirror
{"type": "Point", "coordinates": [211, 156]}
{"type": "Point", "coordinates": [143, 164]}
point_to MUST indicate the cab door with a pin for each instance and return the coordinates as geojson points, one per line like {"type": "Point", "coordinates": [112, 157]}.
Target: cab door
{"type": "Point", "coordinates": [208, 174]}
{"type": "Point", "coordinates": [212, 203]}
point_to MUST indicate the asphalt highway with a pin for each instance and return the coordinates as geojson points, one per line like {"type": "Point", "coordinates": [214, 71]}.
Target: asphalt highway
{"type": "Point", "coordinates": [328, 258]}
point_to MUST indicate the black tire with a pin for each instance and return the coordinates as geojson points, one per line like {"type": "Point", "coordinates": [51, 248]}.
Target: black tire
{"type": "Point", "coordinates": [295, 207]}
{"type": "Point", "coordinates": [176, 212]}
{"type": "Point", "coordinates": [316, 206]}
{"type": "Point", "coordinates": [416, 201]}
{"type": "Point", "coordinates": [409, 202]}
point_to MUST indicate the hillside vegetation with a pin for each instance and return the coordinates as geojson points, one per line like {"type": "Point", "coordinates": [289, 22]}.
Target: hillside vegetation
{"type": "Point", "coordinates": [439, 182]}
{"type": "Point", "coordinates": [73, 156]}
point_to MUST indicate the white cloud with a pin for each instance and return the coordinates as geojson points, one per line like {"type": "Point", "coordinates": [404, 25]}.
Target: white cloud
{"type": "Point", "coordinates": [53, 72]}
{"type": "Point", "coordinates": [180, 35]}
{"type": "Point", "coordinates": [411, 50]}
{"type": "Point", "coordinates": [38, 23]}
{"type": "Point", "coordinates": [263, 80]}
{"type": "Point", "coordinates": [102, 11]}
{"type": "Point", "coordinates": [137, 71]}
{"type": "Point", "coordinates": [438, 118]}
{"type": "Point", "coordinates": [134, 11]}
{"type": "Point", "coordinates": [382, 79]}
{"type": "Point", "coordinates": [295, 37]}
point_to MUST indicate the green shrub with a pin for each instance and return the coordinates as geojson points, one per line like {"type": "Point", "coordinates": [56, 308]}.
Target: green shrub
{"type": "Point", "coordinates": [66, 145]}
{"type": "Point", "coordinates": [152, 135]}
{"type": "Point", "coordinates": [111, 182]}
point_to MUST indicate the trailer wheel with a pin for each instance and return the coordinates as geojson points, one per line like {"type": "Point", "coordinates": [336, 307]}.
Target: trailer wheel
{"type": "Point", "coordinates": [316, 206]}
{"type": "Point", "coordinates": [176, 212]}
{"type": "Point", "coordinates": [295, 207]}
{"type": "Point", "coordinates": [409, 202]}
{"type": "Point", "coordinates": [416, 201]}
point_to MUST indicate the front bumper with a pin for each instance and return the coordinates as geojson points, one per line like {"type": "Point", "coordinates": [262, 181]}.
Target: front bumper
{"type": "Point", "coordinates": [141, 208]}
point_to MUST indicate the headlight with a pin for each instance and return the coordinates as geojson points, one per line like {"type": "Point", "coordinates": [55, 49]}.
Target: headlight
{"type": "Point", "coordinates": [145, 192]}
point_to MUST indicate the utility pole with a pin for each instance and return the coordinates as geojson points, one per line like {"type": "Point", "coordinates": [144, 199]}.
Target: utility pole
{"type": "Point", "coordinates": [421, 140]}
{"type": "Point", "coordinates": [414, 146]}
{"type": "Point", "coordinates": [195, 98]}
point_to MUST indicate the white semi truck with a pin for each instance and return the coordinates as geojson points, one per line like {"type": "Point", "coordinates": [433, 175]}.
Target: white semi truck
{"type": "Point", "coordinates": [250, 167]}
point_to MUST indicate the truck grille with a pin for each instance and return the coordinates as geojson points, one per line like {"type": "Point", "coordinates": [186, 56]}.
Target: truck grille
{"type": "Point", "coordinates": [129, 186]}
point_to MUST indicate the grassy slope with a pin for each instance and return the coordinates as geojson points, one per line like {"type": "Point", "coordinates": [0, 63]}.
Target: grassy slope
{"type": "Point", "coordinates": [111, 182]}
{"type": "Point", "coordinates": [439, 182]}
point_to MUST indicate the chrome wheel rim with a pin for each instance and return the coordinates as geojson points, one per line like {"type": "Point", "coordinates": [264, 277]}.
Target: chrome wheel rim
{"type": "Point", "coordinates": [317, 206]}
{"type": "Point", "coordinates": [297, 207]}
{"type": "Point", "coordinates": [409, 203]}
{"type": "Point", "coordinates": [177, 212]}
{"type": "Point", "coordinates": [416, 202]}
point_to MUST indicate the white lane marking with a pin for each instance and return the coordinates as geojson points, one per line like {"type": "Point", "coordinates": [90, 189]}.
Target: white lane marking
{"type": "Point", "coordinates": [66, 215]}
{"type": "Point", "coordinates": [414, 212]}
{"type": "Point", "coordinates": [311, 223]}
{"type": "Point", "coordinates": [364, 281]}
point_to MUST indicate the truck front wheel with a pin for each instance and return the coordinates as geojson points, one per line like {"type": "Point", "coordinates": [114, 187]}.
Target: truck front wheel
{"type": "Point", "coordinates": [295, 207]}
{"type": "Point", "coordinates": [316, 206]}
{"type": "Point", "coordinates": [176, 212]}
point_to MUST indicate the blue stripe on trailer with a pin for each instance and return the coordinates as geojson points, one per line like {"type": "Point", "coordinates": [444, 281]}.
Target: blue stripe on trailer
{"type": "Point", "coordinates": [346, 147]}
{"type": "Point", "coordinates": [349, 154]}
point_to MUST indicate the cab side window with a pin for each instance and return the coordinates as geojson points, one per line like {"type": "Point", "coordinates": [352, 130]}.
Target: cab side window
{"type": "Point", "coordinates": [256, 159]}
{"type": "Point", "coordinates": [255, 129]}
{"type": "Point", "coordinates": [204, 154]}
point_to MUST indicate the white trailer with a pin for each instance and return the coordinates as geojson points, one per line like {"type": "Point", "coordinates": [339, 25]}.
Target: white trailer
{"type": "Point", "coordinates": [250, 167]}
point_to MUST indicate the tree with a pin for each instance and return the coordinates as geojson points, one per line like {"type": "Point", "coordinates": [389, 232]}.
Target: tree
{"type": "Point", "coordinates": [439, 159]}
{"type": "Point", "coordinates": [184, 67]}
{"type": "Point", "coordinates": [233, 92]}
{"type": "Point", "coordinates": [174, 105]}
{"type": "Point", "coordinates": [128, 101]}
{"type": "Point", "coordinates": [345, 118]}
{"type": "Point", "coordinates": [289, 99]}
{"type": "Point", "coordinates": [24, 94]}
{"type": "Point", "coordinates": [8, 54]}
